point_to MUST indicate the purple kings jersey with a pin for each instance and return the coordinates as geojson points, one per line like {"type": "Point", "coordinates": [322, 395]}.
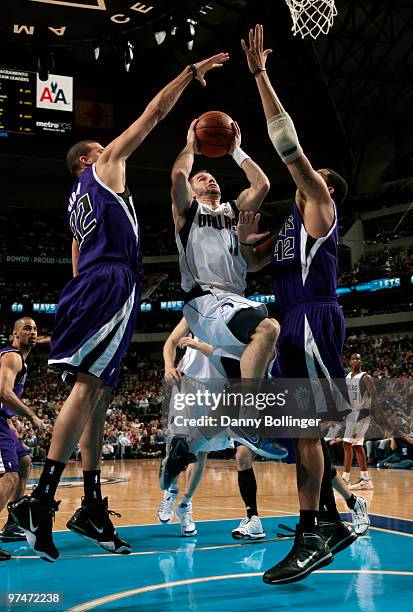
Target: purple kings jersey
{"type": "Point", "coordinates": [5, 411]}
{"type": "Point", "coordinates": [303, 268]}
{"type": "Point", "coordinates": [103, 223]}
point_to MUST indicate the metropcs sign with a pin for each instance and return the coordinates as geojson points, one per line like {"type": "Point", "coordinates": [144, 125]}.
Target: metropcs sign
{"type": "Point", "coordinates": [56, 93]}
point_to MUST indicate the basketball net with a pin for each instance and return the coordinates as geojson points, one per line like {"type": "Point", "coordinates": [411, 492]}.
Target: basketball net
{"type": "Point", "coordinates": [311, 17]}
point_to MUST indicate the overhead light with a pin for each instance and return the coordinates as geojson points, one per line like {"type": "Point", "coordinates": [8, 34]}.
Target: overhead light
{"type": "Point", "coordinates": [128, 55]}
{"type": "Point", "coordinates": [96, 52]}
{"type": "Point", "coordinates": [160, 36]}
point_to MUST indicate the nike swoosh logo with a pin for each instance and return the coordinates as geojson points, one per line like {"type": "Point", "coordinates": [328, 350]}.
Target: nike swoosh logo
{"type": "Point", "coordinates": [33, 529]}
{"type": "Point", "coordinates": [97, 528]}
{"type": "Point", "coordinates": [303, 564]}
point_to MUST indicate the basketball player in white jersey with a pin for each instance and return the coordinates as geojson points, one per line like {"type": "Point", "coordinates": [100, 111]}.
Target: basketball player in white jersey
{"type": "Point", "coordinates": [200, 363]}
{"type": "Point", "coordinates": [363, 400]}
{"type": "Point", "coordinates": [213, 274]}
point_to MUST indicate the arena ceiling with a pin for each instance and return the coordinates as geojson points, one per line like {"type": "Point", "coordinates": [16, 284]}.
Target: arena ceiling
{"type": "Point", "coordinates": [350, 93]}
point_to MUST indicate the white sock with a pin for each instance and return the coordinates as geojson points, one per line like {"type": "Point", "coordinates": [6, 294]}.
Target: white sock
{"type": "Point", "coordinates": [346, 476]}
{"type": "Point", "coordinates": [187, 499]}
{"type": "Point", "coordinates": [365, 475]}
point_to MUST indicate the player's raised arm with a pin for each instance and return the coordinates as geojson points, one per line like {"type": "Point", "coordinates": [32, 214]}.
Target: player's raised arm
{"type": "Point", "coordinates": [252, 197]}
{"type": "Point", "coordinates": [120, 148]}
{"type": "Point", "coordinates": [312, 188]}
{"type": "Point", "coordinates": [181, 192]}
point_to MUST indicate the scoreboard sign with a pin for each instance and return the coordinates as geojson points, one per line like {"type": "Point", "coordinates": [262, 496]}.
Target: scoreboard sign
{"type": "Point", "coordinates": [31, 106]}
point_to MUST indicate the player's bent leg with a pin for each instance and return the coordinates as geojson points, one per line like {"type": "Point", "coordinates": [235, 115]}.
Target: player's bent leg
{"type": "Point", "coordinates": [260, 350]}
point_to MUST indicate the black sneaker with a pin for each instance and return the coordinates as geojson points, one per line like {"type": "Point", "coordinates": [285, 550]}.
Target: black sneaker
{"type": "Point", "coordinates": [4, 555]}
{"type": "Point", "coordinates": [35, 517]}
{"type": "Point", "coordinates": [176, 460]}
{"type": "Point", "coordinates": [11, 532]}
{"type": "Point", "coordinates": [310, 552]}
{"type": "Point", "coordinates": [337, 534]}
{"type": "Point", "coordinates": [92, 521]}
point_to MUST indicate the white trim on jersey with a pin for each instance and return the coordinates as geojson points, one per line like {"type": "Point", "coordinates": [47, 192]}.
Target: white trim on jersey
{"type": "Point", "coordinates": [311, 354]}
{"type": "Point", "coordinates": [2, 468]}
{"type": "Point", "coordinates": [123, 313]}
{"type": "Point", "coordinates": [306, 260]}
{"type": "Point", "coordinates": [133, 221]}
{"type": "Point", "coordinates": [103, 360]}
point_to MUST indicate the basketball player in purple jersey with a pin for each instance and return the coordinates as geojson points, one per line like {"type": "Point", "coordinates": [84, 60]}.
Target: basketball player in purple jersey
{"type": "Point", "coordinates": [96, 319]}
{"type": "Point", "coordinates": [304, 269]}
{"type": "Point", "coordinates": [15, 463]}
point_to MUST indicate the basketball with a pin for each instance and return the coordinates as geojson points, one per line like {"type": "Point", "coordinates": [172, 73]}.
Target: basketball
{"type": "Point", "coordinates": [214, 133]}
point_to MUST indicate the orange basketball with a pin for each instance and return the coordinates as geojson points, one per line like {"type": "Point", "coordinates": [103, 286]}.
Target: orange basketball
{"type": "Point", "coordinates": [214, 133]}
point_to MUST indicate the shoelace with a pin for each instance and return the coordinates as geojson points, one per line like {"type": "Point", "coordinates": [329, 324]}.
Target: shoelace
{"type": "Point", "coordinates": [113, 513]}
{"type": "Point", "coordinates": [167, 501]}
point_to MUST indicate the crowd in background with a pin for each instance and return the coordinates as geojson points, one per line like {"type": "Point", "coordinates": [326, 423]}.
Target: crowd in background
{"type": "Point", "coordinates": [135, 425]}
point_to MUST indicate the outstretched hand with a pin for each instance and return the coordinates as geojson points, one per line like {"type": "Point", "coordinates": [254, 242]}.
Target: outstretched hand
{"type": "Point", "coordinates": [247, 228]}
{"type": "Point", "coordinates": [236, 141]}
{"type": "Point", "coordinates": [216, 61]}
{"type": "Point", "coordinates": [255, 53]}
{"type": "Point", "coordinates": [191, 138]}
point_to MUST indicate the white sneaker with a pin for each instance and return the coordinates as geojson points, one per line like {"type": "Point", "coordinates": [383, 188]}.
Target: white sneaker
{"type": "Point", "coordinates": [346, 480]}
{"type": "Point", "coordinates": [362, 483]}
{"type": "Point", "coordinates": [184, 513]}
{"type": "Point", "coordinates": [361, 521]}
{"type": "Point", "coordinates": [249, 529]}
{"type": "Point", "coordinates": [166, 509]}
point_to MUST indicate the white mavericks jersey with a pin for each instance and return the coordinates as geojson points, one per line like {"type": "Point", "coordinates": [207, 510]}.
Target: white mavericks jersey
{"type": "Point", "coordinates": [197, 366]}
{"type": "Point", "coordinates": [209, 253]}
{"type": "Point", "coordinates": [358, 400]}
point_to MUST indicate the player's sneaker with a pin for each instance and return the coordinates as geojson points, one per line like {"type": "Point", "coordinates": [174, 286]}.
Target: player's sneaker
{"type": "Point", "coordinates": [360, 516]}
{"type": "Point", "coordinates": [249, 529]}
{"type": "Point", "coordinates": [35, 517]}
{"type": "Point", "coordinates": [176, 460]}
{"type": "Point", "coordinates": [265, 447]}
{"type": "Point", "coordinates": [337, 535]}
{"type": "Point", "coordinates": [92, 521]}
{"type": "Point", "coordinates": [309, 553]}
{"type": "Point", "coordinates": [166, 509]}
{"type": "Point", "coordinates": [184, 514]}
{"type": "Point", "coordinates": [362, 483]}
{"type": "Point", "coordinates": [11, 532]}
{"type": "Point", "coordinates": [4, 555]}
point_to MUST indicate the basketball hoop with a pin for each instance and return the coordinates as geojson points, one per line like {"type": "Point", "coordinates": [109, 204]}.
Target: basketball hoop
{"type": "Point", "coordinates": [313, 17]}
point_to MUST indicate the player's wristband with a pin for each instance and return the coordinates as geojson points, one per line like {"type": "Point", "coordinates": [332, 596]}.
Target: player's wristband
{"type": "Point", "coordinates": [194, 71]}
{"type": "Point", "coordinates": [247, 244]}
{"type": "Point", "coordinates": [258, 71]}
{"type": "Point", "coordinates": [239, 156]}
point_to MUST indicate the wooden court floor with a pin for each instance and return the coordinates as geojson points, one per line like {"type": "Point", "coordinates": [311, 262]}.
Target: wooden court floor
{"type": "Point", "coordinates": [137, 495]}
